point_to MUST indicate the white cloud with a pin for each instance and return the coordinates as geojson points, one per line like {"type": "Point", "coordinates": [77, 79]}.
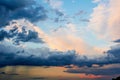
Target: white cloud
{"type": "Point", "coordinates": [105, 19]}
{"type": "Point", "coordinates": [55, 4]}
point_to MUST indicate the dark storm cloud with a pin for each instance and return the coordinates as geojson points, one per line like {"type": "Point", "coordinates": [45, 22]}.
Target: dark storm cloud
{"type": "Point", "coordinates": [46, 57]}
{"type": "Point", "coordinates": [3, 34]}
{"type": "Point", "coordinates": [25, 35]}
{"type": "Point", "coordinates": [18, 9]}
{"type": "Point", "coordinates": [31, 36]}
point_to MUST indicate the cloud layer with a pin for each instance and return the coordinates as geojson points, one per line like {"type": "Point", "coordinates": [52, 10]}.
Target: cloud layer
{"type": "Point", "coordinates": [47, 57]}
{"type": "Point", "coordinates": [111, 69]}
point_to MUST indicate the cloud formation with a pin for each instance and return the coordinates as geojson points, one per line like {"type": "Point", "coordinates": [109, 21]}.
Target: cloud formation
{"type": "Point", "coordinates": [12, 5]}
{"type": "Point", "coordinates": [111, 69]}
{"type": "Point", "coordinates": [20, 31]}
{"type": "Point", "coordinates": [69, 39]}
{"type": "Point", "coordinates": [105, 19]}
{"type": "Point", "coordinates": [13, 10]}
{"type": "Point", "coordinates": [109, 66]}
{"type": "Point", "coordinates": [24, 31]}
{"type": "Point", "coordinates": [71, 49]}
{"type": "Point", "coordinates": [115, 52]}
{"type": "Point", "coordinates": [56, 7]}
{"type": "Point", "coordinates": [11, 55]}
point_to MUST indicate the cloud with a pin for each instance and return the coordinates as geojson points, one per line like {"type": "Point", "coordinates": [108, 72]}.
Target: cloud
{"type": "Point", "coordinates": [115, 52]}
{"type": "Point", "coordinates": [13, 10]}
{"type": "Point", "coordinates": [20, 31]}
{"type": "Point", "coordinates": [14, 4]}
{"type": "Point", "coordinates": [85, 20]}
{"type": "Point", "coordinates": [79, 13]}
{"type": "Point", "coordinates": [55, 4]}
{"type": "Point", "coordinates": [105, 19]}
{"type": "Point", "coordinates": [69, 39]}
{"type": "Point", "coordinates": [65, 54]}
{"type": "Point", "coordinates": [117, 41]}
{"type": "Point", "coordinates": [110, 65]}
{"type": "Point", "coordinates": [36, 57]}
{"type": "Point", "coordinates": [67, 44]}
{"type": "Point", "coordinates": [12, 56]}
{"type": "Point", "coordinates": [56, 7]}
{"type": "Point", "coordinates": [3, 34]}
{"type": "Point", "coordinates": [59, 13]}
{"type": "Point", "coordinates": [111, 69]}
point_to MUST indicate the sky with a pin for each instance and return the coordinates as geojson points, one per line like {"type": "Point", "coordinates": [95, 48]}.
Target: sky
{"type": "Point", "coordinates": [59, 39]}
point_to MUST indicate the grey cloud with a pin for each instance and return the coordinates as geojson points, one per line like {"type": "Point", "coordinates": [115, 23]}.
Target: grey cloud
{"type": "Point", "coordinates": [13, 10]}
{"type": "Point", "coordinates": [14, 4]}
{"type": "Point", "coordinates": [46, 57]}
{"type": "Point", "coordinates": [56, 20]}
{"type": "Point", "coordinates": [25, 35]}
{"type": "Point", "coordinates": [96, 70]}
{"type": "Point", "coordinates": [117, 41]}
{"type": "Point", "coordinates": [60, 16]}
{"type": "Point", "coordinates": [59, 13]}
{"type": "Point", "coordinates": [80, 12]}
{"type": "Point", "coordinates": [3, 35]}
{"type": "Point", "coordinates": [41, 57]}
{"type": "Point", "coordinates": [85, 20]}
{"type": "Point", "coordinates": [112, 58]}
{"type": "Point", "coordinates": [114, 52]}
